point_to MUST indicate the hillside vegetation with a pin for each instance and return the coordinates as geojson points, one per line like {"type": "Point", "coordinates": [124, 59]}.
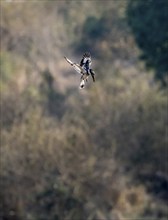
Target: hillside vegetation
{"type": "Point", "coordinates": [93, 154]}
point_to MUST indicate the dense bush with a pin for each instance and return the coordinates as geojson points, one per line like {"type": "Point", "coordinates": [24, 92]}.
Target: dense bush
{"type": "Point", "coordinates": [98, 153]}
{"type": "Point", "coordinates": [147, 20]}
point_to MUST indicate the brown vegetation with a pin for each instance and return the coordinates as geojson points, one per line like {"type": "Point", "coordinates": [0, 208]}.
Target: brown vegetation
{"type": "Point", "coordinates": [94, 154]}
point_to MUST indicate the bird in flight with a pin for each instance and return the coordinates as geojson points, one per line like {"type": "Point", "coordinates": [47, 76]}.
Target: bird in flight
{"type": "Point", "coordinates": [83, 68]}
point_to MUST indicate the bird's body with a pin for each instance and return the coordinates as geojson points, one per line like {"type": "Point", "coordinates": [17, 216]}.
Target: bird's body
{"type": "Point", "coordinates": [84, 68]}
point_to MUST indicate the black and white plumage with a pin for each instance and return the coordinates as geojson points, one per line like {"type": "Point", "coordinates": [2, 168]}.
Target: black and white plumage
{"type": "Point", "coordinates": [86, 62]}
{"type": "Point", "coordinates": [84, 68]}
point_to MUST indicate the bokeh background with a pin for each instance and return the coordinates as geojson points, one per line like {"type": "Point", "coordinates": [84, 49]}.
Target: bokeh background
{"type": "Point", "coordinates": [93, 154]}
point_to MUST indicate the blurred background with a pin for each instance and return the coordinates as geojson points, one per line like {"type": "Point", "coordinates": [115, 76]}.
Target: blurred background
{"type": "Point", "coordinates": [93, 154]}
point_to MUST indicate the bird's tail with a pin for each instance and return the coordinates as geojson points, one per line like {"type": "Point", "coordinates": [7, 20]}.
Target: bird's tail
{"type": "Point", "coordinates": [82, 84]}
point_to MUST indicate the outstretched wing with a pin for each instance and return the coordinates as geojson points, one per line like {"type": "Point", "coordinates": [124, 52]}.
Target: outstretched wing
{"type": "Point", "coordinates": [83, 69]}
{"type": "Point", "coordinates": [76, 66]}
{"type": "Point", "coordinates": [86, 61]}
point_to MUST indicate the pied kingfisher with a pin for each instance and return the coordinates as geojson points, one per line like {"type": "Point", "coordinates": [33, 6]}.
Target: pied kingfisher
{"type": "Point", "coordinates": [84, 68]}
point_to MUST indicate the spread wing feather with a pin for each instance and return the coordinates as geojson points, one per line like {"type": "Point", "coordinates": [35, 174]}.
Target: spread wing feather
{"type": "Point", "coordinates": [76, 66]}
{"type": "Point", "coordinates": [83, 69]}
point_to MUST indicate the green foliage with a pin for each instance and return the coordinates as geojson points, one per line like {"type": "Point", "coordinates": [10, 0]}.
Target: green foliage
{"type": "Point", "coordinates": [147, 20]}
{"type": "Point", "coordinates": [8, 67]}
{"type": "Point", "coordinates": [54, 99]}
{"type": "Point", "coordinates": [94, 28]}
